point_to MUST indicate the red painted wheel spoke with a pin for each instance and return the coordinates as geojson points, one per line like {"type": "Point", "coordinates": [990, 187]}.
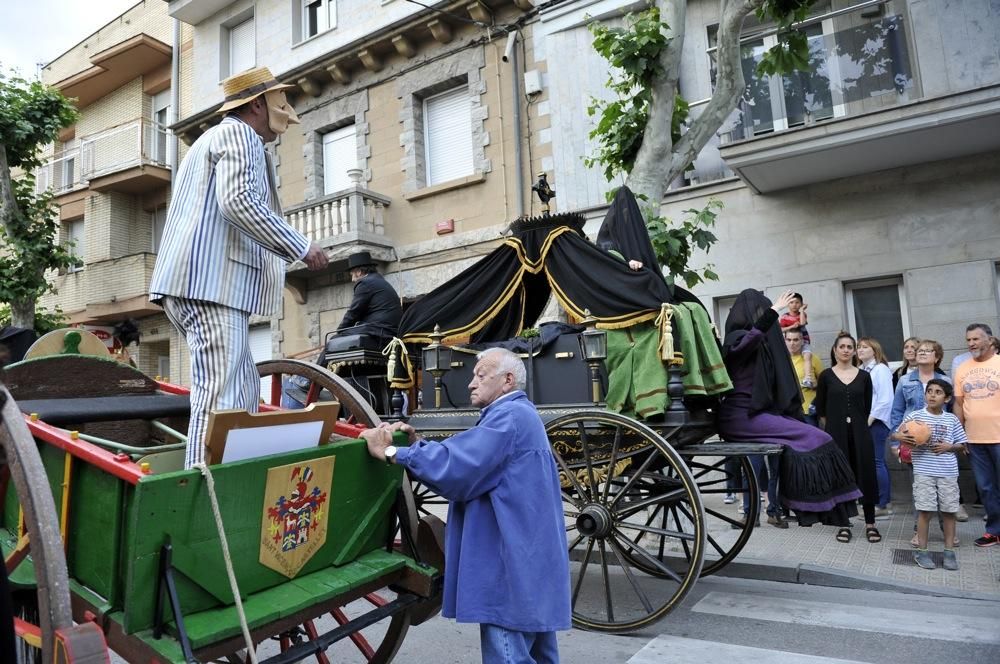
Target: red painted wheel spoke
{"type": "Point", "coordinates": [361, 642]}
{"type": "Point", "coordinates": [276, 389]}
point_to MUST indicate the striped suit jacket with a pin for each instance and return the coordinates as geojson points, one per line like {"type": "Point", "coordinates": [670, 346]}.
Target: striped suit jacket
{"type": "Point", "coordinates": [225, 240]}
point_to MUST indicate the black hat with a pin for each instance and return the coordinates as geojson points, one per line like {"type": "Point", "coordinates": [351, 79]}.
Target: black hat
{"type": "Point", "coordinates": [360, 259]}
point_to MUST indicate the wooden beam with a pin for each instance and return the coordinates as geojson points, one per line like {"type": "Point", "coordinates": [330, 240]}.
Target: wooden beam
{"type": "Point", "coordinates": [309, 86]}
{"type": "Point", "coordinates": [440, 30]}
{"type": "Point", "coordinates": [404, 46]}
{"type": "Point", "coordinates": [370, 59]}
{"type": "Point", "coordinates": [339, 73]}
{"type": "Point", "coordinates": [479, 12]}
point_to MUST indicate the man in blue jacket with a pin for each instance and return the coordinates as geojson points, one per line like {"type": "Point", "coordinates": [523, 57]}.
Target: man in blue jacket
{"type": "Point", "coordinates": [505, 545]}
{"type": "Point", "coordinates": [225, 245]}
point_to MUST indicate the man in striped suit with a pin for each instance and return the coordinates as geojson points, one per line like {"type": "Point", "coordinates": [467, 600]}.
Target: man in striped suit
{"type": "Point", "coordinates": [225, 245]}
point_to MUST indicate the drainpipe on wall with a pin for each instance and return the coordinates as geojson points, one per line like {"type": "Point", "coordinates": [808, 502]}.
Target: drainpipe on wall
{"type": "Point", "coordinates": [175, 96]}
{"type": "Point", "coordinates": [516, 86]}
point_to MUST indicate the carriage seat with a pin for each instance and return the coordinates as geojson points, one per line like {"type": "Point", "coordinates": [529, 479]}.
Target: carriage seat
{"type": "Point", "coordinates": [82, 410]}
{"type": "Point", "coordinates": [336, 344]}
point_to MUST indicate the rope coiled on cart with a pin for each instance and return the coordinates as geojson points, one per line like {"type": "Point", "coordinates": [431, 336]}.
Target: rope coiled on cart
{"type": "Point", "coordinates": [244, 627]}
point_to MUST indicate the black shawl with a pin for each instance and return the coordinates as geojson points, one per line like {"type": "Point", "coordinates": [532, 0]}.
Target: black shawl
{"type": "Point", "coordinates": [775, 385]}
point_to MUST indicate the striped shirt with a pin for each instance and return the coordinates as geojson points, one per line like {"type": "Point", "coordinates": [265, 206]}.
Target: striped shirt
{"type": "Point", "coordinates": [945, 428]}
{"type": "Point", "coordinates": [225, 240]}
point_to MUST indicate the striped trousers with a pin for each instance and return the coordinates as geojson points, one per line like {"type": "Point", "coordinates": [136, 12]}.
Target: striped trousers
{"type": "Point", "coordinates": [223, 374]}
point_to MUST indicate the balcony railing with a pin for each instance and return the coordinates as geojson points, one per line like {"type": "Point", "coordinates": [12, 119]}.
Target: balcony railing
{"type": "Point", "coordinates": [137, 143]}
{"type": "Point", "coordinates": [344, 214]}
{"type": "Point", "coordinates": [862, 68]}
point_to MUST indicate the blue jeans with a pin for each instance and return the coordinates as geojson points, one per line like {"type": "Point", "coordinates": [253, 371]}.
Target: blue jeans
{"type": "Point", "coordinates": [507, 646]}
{"type": "Point", "coordinates": [880, 432]}
{"type": "Point", "coordinates": [986, 465]}
{"type": "Point", "coordinates": [766, 474]}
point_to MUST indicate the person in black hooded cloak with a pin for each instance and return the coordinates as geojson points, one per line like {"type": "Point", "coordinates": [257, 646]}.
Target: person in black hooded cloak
{"type": "Point", "coordinates": [765, 406]}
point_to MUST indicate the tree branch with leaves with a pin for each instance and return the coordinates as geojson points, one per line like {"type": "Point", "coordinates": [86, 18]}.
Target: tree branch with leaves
{"type": "Point", "coordinates": [31, 116]}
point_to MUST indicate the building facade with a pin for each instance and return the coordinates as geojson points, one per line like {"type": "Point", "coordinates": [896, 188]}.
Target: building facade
{"type": "Point", "coordinates": [868, 184]}
{"type": "Point", "coordinates": [418, 137]}
{"type": "Point", "coordinates": [110, 174]}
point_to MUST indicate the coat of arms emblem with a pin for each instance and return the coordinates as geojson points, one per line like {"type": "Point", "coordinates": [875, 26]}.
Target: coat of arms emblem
{"type": "Point", "coordinates": [294, 520]}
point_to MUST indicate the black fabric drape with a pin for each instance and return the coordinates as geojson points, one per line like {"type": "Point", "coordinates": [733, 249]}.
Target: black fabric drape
{"type": "Point", "coordinates": [775, 384]}
{"type": "Point", "coordinates": [624, 230]}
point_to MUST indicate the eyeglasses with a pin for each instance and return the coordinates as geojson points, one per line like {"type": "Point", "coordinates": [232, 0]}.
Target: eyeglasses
{"type": "Point", "coordinates": [925, 350]}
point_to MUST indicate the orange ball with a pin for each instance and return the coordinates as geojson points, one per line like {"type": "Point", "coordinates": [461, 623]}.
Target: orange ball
{"type": "Point", "coordinates": [920, 431]}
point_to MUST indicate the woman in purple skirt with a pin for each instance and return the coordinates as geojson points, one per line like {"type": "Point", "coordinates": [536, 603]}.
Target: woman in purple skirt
{"type": "Point", "coordinates": [765, 406]}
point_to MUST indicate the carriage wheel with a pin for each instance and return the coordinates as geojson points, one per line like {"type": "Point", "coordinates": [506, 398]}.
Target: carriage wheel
{"type": "Point", "coordinates": [726, 533]}
{"type": "Point", "coordinates": [50, 631]}
{"type": "Point", "coordinates": [360, 410]}
{"type": "Point", "coordinates": [614, 471]}
{"type": "Point", "coordinates": [362, 414]}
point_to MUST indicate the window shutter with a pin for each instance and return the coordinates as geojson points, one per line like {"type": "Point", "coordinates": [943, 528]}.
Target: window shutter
{"type": "Point", "coordinates": [242, 53]}
{"type": "Point", "coordinates": [340, 153]}
{"type": "Point", "coordinates": [448, 136]}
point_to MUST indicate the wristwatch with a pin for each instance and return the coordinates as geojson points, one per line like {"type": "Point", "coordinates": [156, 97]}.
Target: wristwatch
{"type": "Point", "coordinates": [390, 454]}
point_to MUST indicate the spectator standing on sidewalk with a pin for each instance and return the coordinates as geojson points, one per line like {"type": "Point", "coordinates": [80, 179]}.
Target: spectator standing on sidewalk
{"type": "Point", "coordinates": [843, 402]}
{"type": "Point", "coordinates": [796, 319]}
{"type": "Point", "coordinates": [935, 470]}
{"type": "Point", "coordinates": [977, 405]}
{"type": "Point", "coordinates": [909, 360]}
{"type": "Point", "coordinates": [873, 361]}
{"type": "Point", "coordinates": [793, 340]}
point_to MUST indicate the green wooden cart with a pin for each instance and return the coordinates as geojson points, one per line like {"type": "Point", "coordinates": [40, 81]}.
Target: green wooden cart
{"type": "Point", "coordinates": [109, 542]}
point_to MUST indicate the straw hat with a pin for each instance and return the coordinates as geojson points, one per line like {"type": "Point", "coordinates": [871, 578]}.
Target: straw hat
{"type": "Point", "coordinates": [247, 85]}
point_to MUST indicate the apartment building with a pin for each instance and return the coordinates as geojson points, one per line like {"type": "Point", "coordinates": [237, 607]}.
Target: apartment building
{"type": "Point", "coordinates": [418, 141]}
{"type": "Point", "coordinates": [110, 174]}
{"type": "Point", "coordinates": [869, 184]}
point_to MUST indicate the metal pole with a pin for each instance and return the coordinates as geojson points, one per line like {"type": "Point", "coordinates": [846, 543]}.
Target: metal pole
{"type": "Point", "coordinates": [519, 173]}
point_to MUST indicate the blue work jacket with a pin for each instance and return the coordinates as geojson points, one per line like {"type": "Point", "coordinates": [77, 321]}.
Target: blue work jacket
{"type": "Point", "coordinates": [505, 544]}
{"type": "Point", "coordinates": [909, 397]}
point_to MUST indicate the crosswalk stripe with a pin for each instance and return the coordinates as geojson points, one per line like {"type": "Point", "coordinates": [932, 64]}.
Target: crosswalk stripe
{"type": "Point", "coordinates": [667, 648]}
{"type": "Point", "coordinates": [965, 629]}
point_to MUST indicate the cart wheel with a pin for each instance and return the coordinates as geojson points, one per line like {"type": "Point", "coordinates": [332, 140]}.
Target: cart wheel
{"type": "Point", "coordinates": [380, 642]}
{"type": "Point", "coordinates": [614, 471]}
{"type": "Point", "coordinates": [726, 533]}
{"type": "Point", "coordinates": [45, 630]}
{"type": "Point", "coordinates": [350, 401]}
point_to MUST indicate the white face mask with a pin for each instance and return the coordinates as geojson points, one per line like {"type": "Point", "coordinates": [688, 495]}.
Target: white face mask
{"type": "Point", "coordinates": [280, 113]}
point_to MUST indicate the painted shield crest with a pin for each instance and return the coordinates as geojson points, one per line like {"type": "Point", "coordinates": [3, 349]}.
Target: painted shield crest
{"type": "Point", "coordinates": [294, 522]}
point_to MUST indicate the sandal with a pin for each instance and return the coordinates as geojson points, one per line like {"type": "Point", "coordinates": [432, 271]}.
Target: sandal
{"type": "Point", "coordinates": [873, 535]}
{"type": "Point", "coordinates": [844, 535]}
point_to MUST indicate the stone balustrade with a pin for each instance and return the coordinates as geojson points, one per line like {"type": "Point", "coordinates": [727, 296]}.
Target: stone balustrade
{"type": "Point", "coordinates": [343, 213]}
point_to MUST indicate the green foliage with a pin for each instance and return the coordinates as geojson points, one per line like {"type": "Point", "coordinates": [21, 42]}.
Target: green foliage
{"type": "Point", "coordinates": [45, 320]}
{"type": "Point", "coordinates": [792, 50]}
{"type": "Point", "coordinates": [31, 115]}
{"type": "Point", "coordinates": [529, 333]}
{"type": "Point", "coordinates": [634, 53]}
{"type": "Point", "coordinates": [674, 244]}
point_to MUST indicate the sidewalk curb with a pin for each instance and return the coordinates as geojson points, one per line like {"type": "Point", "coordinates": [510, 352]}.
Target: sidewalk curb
{"type": "Point", "coordinates": [817, 575]}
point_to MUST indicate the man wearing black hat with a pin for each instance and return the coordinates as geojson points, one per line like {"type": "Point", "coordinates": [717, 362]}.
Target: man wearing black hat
{"type": "Point", "coordinates": [375, 309]}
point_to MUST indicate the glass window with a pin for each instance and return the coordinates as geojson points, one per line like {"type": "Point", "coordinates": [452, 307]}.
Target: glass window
{"type": "Point", "coordinates": [242, 49]}
{"type": "Point", "coordinates": [722, 307]}
{"type": "Point", "coordinates": [877, 309]}
{"type": "Point", "coordinates": [340, 153]}
{"type": "Point", "coordinates": [74, 234]}
{"type": "Point", "coordinates": [448, 135]}
{"type": "Point", "coordinates": [318, 16]}
{"type": "Point", "coordinates": [159, 221]}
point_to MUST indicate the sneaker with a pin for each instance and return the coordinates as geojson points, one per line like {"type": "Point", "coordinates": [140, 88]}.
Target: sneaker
{"type": "Point", "coordinates": [961, 514]}
{"type": "Point", "coordinates": [729, 499]}
{"type": "Point", "coordinates": [922, 557]}
{"type": "Point", "coordinates": [883, 512]}
{"type": "Point", "coordinates": [740, 510]}
{"type": "Point", "coordinates": [777, 521]}
{"type": "Point", "coordinates": [987, 539]}
{"type": "Point", "coordinates": [950, 562]}
{"type": "Point", "coordinates": [808, 383]}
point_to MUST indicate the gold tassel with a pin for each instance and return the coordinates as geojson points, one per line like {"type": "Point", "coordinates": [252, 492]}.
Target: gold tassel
{"type": "Point", "coordinates": [666, 346]}
{"type": "Point", "coordinates": [392, 350]}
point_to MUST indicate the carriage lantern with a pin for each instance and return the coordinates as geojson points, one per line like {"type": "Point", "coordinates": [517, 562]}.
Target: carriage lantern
{"type": "Point", "coordinates": [594, 346]}
{"type": "Point", "coordinates": [437, 361]}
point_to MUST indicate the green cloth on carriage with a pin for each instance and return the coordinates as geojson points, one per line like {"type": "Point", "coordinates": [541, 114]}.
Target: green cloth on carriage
{"type": "Point", "coordinates": [637, 378]}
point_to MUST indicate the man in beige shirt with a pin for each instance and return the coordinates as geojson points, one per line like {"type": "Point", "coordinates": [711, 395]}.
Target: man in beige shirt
{"type": "Point", "coordinates": [977, 405]}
